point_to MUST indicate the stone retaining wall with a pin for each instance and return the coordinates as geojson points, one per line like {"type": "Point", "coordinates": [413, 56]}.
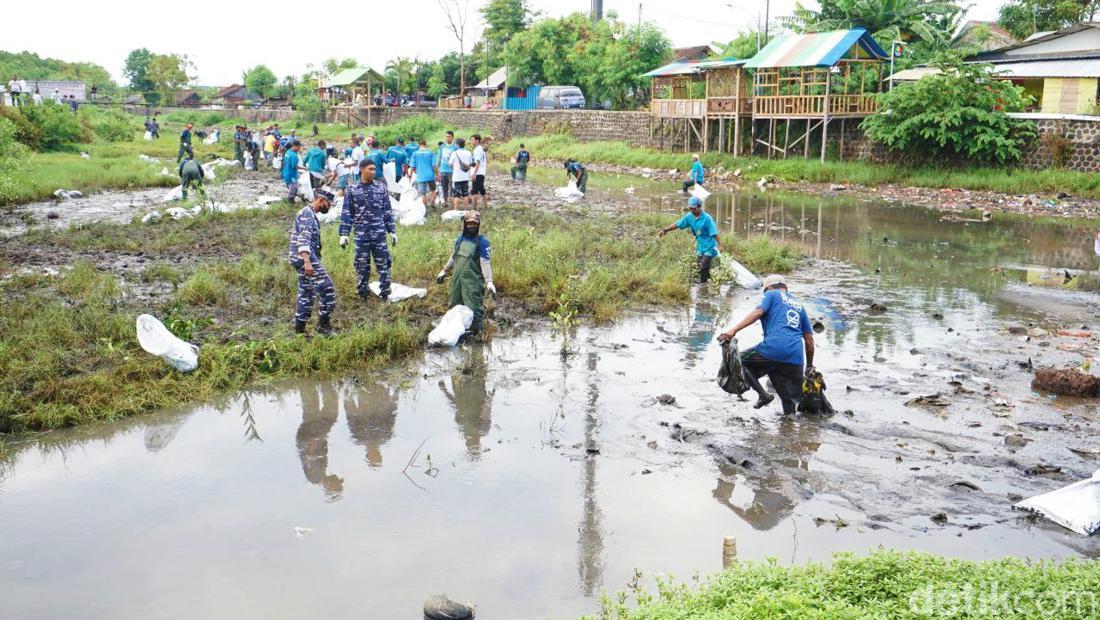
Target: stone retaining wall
{"type": "Point", "coordinates": [257, 115]}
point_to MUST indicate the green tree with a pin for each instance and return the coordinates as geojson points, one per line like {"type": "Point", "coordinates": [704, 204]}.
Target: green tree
{"type": "Point", "coordinates": [503, 19]}
{"type": "Point", "coordinates": [30, 66]}
{"type": "Point", "coordinates": [167, 73]}
{"type": "Point", "coordinates": [400, 70]}
{"type": "Point", "coordinates": [932, 22]}
{"type": "Point", "coordinates": [1024, 18]}
{"type": "Point", "coordinates": [262, 81]}
{"type": "Point", "coordinates": [12, 158]}
{"type": "Point", "coordinates": [437, 83]}
{"type": "Point", "coordinates": [961, 111]}
{"type": "Point", "coordinates": [332, 66]}
{"type": "Point", "coordinates": [744, 45]}
{"type": "Point", "coordinates": [136, 71]}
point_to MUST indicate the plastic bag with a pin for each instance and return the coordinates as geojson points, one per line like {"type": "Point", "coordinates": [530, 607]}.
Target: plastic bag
{"type": "Point", "coordinates": [1075, 507]}
{"type": "Point", "coordinates": [451, 327]}
{"type": "Point", "coordinates": [176, 193]}
{"type": "Point", "coordinates": [569, 192]}
{"type": "Point", "coordinates": [410, 210]}
{"type": "Point", "coordinates": [277, 162]}
{"type": "Point", "coordinates": [155, 338]}
{"type": "Point", "coordinates": [208, 172]}
{"type": "Point", "coordinates": [813, 395]}
{"type": "Point", "coordinates": [389, 171]}
{"type": "Point", "coordinates": [305, 187]}
{"type": "Point", "coordinates": [148, 135]}
{"type": "Point", "coordinates": [700, 192]}
{"type": "Point", "coordinates": [730, 377]}
{"type": "Point", "coordinates": [452, 216]}
{"type": "Point", "coordinates": [744, 277]}
{"type": "Point", "coordinates": [177, 213]}
{"type": "Point", "coordinates": [398, 292]}
{"type": "Point", "coordinates": [151, 217]}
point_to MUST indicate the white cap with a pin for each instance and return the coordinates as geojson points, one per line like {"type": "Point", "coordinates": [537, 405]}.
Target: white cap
{"type": "Point", "coordinates": [772, 280]}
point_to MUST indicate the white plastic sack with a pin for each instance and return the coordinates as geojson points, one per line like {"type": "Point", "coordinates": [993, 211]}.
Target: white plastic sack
{"type": "Point", "coordinates": [1075, 507]}
{"type": "Point", "coordinates": [700, 192]}
{"type": "Point", "coordinates": [277, 162]}
{"type": "Point", "coordinates": [210, 138]}
{"type": "Point", "coordinates": [155, 338]}
{"type": "Point", "coordinates": [305, 188]}
{"type": "Point", "coordinates": [451, 327]}
{"type": "Point", "coordinates": [177, 213]}
{"type": "Point", "coordinates": [745, 278]}
{"type": "Point", "coordinates": [84, 155]}
{"type": "Point", "coordinates": [249, 162]}
{"type": "Point", "coordinates": [208, 172]}
{"type": "Point", "coordinates": [144, 157]}
{"type": "Point", "coordinates": [410, 210]}
{"type": "Point", "coordinates": [151, 217]}
{"type": "Point", "coordinates": [63, 194]}
{"type": "Point", "coordinates": [569, 192]}
{"type": "Point", "coordinates": [221, 161]}
{"type": "Point", "coordinates": [266, 200]}
{"type": "Point", "coordinates": [404, 185]}
{"type": "Point", "coordinates": [148, 135]}
{"type": "Point", "coordinates": [164, 172]}
{"type": "Point", "coordinates": [389, 171]}
{"type": "Point", "coordinates": [452, 216]}
{"type": "Point", "coordinates": [398, 292]}
{"type": "Point", "coordinates": [176, 193]}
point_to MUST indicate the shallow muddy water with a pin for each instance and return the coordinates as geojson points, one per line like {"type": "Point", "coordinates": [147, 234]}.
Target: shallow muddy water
{"type": "Point", "coordinates": [529, 482]}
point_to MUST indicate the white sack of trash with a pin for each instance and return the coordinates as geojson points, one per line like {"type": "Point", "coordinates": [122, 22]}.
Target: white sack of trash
{"type": "Point", "coordinates": [744, 277]}
{"type": "Point", "coordinates": [155, 338]}
{"type": "Point", "coordinates": [452, 215]}
{"type": "Point", "coordinates": [148, 135]}
{"type": "Point", "coordinates": [451, 327]}
{"type": "Point", "coordinates": [1075, 507]}
{"type": "Point", "coordinates": [569, 192]}
{"type": "Point", "coordinates": [700, 192]}
{"type": "Point", "coordinates": [410, 210]}
{"type": "Point", "coordinates": [305, 188]}
{"type": "Point", "coordinates": [178, 213]}
{"type": "Point", "coordinates": [389, 172]}
{"type": "Point", "coordinates": [62, 194]}
{"type": "Point", "coordinates": [176, 193]}
{"type": "Point", "coordinates": [398, 292]}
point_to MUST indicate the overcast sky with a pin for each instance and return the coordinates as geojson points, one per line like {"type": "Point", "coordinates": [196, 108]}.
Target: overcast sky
{"type": "Point", "coordinates": [224, 37]}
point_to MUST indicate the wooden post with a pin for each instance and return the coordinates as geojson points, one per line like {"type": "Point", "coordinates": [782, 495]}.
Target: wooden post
{"type": "Point", "coordinates": [771, 136]}
{"type": "Point", "coordinates": [786, 136]}
{"type": "Point", "coordinates": [721, 133]}
{"type": "Point", "coordinates": [370, 101]}
{"type": "Point", "coordinates": [737, 135]}
{"type": "Point", "coordinates": [840, 151]}
{"type": "Point", "coordinates": [806, 140]}
{"type": "Point", "coordinates": [706, 134]}
{"type": "Point", "coordinates": [729, 551]}
{"type": "Point", "coordinates": [825, 119]}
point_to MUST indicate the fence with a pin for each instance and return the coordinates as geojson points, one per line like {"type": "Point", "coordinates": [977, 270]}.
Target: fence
{"type": "Point", "coordinates": [523, 103]}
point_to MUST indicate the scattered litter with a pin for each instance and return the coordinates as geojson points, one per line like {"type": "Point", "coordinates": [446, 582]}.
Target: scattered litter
{"type": "Point", "coordinates": [700, 192]}
{"type": "Point", "coordinates": [452, 216]}
{"type": "Point", "coordinates": [731, 376]}
{"type": "Point", "coordinates": [1066, 382]}
{"type": "Point", "coordinates": [62, 194]}
{"type": "Point", "coordinates": [439, 607]}
{"type": "Point", "coordinates": [965, 484]}
{"type": "Point", "coordinates": [399, 292]}
{"type": "Point", "coordinates": [178, 213]}
{"type": "Point", "coordinates": [300, 531]}
{"type": "Point", "coordinates": [629, 190]}
{"type": "Point", "coordinates": [221, 161]}
{"type": "Point", "coordinates": [410, 210]}
{"type": "Point", "coordinates": [569, 193]}
{"type": "Point", "coordinates": [144, 157]}
{"type": "Point", "coordinates": [208, 172]}
{"type": "Point", "coordinates": [164, 172]}
{"type": "Point", "coordinates": [1042, 469]}
{"type": "Point", "coordinates": [939, 517]}
{"type": "Point", "coordinates": [1085, 452]}
{"type": "Point", "coordinates": [744, 277]}
{"type": "Point", "coordinates": [149, 218]}
{"type": "Point", "coordinates": [1016, 441]}
{"type": "Point", "coordinates": [931, 400]}
{"type": "Point", "coordinates": [813, 395]}
{"type": "Point", "coordinates": [305, 185]}
{"type": "Point", "coordinates": [148, 135]}
{"type": "Point", "coordinates": [266, 200]}
{"type": "Point", "coordinates": [877, 308]}
{"type": "Point", "coordinates": [1075, 507]}
{"type": "Point", "coordinates": [1074, 333]}
{"type": "Point", "coordinates": [666, 399]}
{"type": "Point", "coordinates": [85, 155]}
{"type": "Point", "coordinates": [155, 338]}
{"type": "Point", "coordinates": [176, 193]}
{"type": "Point", "coordinates": [451, 327]}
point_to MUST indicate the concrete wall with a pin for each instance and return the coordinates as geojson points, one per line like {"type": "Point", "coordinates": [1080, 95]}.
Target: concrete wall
{"type": "Point", "coordinates": [258, 115]}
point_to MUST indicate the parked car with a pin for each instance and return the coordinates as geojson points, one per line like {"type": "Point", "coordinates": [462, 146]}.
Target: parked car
{"type": "Point", "coordinates": [411, 102]}
{"type": "Point", "coordinates": [560, 98]}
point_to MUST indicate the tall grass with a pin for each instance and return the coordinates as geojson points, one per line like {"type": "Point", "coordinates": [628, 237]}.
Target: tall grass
{"type": "Point", "coordinates": [1005, 180]}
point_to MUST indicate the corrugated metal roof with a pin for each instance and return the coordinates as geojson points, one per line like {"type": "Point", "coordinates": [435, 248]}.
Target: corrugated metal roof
{"type": "Point", "coordinates": [816, 49]}
{"type": "Point", "coordinates": [1064, 68]}
{"type": "Point", "coordinates": [353, 75]}
{"type": "Point", "coordinates": [914, 74]}
{"type": "Point", "coordinates": [692, 67]}
{"type": "Point", "coordinates": [494, 81]}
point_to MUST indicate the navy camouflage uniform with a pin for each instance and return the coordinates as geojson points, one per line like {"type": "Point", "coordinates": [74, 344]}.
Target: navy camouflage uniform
{"type": "Point", "coordinates": [367, 209]}
{"type": "Point", "coordinates": [305, 235]}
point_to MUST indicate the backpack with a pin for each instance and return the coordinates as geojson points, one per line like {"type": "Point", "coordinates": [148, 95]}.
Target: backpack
{"type": "Point", "coordinates": [730, 377]}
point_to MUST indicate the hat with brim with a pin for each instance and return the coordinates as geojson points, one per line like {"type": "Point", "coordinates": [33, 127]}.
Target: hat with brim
{"type": "Point", "coordinates": [774, 280]}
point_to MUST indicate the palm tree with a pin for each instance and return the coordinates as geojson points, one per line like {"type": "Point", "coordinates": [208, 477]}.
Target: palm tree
{"type": "Point", "coordinates": [931, 21]}
{"type": "Point", "coordinates": [401, 69]}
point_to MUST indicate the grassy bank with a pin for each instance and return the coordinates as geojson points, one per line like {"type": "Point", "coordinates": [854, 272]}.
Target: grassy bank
{"type": "Point", "coordinates": [68, 354]}
{"type": "Point", "coordinates": [1005, 180]}
{"type": "Point", "coordinates": [885, 584]}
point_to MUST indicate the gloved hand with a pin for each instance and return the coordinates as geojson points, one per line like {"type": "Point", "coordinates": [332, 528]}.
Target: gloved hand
{"type": "Point", "coordinates": [343, 241]}
{"type": "Point", "coordinates": [440, 277]}
{"type": "Point", "coordinates": [393, 239]}
{"type": "Point", "coordinates": [810, 370]}
{"type": "Point", "coordinates": [492, 289]}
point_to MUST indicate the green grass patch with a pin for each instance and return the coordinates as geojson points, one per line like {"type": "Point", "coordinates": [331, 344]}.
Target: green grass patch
{"type": "Point", "coordinates": [1006, 180]}
{"type": "Point", "coordinates": [885, 584]}
{"type": "Point", "coordinates": [68, 352]}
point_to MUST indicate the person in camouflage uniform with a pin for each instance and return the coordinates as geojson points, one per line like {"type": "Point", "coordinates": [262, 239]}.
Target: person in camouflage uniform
{"type": "Point", "coordinates": [305, 257]}
{"type": "Point", "coordinates": [367, 209]}
{"type": "Point", "coordinates": [192, 173]}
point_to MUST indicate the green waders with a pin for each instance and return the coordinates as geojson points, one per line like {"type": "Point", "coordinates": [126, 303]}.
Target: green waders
{"type": "Point", "coordinates": [191, 175]}
{"type": "Point", "coordinates": [468, 284]}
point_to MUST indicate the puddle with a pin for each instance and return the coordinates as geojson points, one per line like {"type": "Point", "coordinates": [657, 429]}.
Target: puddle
{"type": "Point", "coordinates": [529, 482]}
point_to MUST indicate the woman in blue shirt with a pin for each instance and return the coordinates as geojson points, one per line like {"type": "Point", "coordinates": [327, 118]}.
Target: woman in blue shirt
{"type": "Point", "coordinates": [704, 229]}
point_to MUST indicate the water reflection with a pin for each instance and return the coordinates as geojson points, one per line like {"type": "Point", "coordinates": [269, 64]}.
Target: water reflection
{"type": "Point", "coordinates": [700, 334]}
{"type": "Point", "coordinates": [320, 409]}
{"type": "Point", "coordinates": [371, 412]}
{"type": "Point", "coordinates": [590, 546]}
{"type": "Point", "coordinates": [471, 400]}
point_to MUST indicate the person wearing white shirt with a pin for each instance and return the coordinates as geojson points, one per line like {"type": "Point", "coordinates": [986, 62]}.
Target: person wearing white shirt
{"type": "Point", "coordinates": [356, 151]}
{"type": "Point", "coordinates": [462, 165]}
{"type": "Point", "coordinates": [36, 97]}
{"type": "Point", "coordinates": [481, 167]}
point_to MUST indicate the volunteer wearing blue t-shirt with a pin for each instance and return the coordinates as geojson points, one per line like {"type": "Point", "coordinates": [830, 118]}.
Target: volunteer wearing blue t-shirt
{"type": "Point", "coordinates": [779, 356]}
{"type": "Point", "coordinates": [695, 177]}
{"type": "Point", "coordinates": [443, 162]}
{"type": "Point", "coordinates": [422, 165]}
{"type": "Point", "coordinates": [702, 226]}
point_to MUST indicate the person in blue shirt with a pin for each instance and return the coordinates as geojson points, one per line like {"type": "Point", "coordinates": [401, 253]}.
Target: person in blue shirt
{"type": "Point", "coordinates": [411, 147]}
{"type": "Point", "coordinates": [787, 332]}
{"type": "Point", "coordinates": [443, 170]}
{"type": "Point", "coordinates": [702, 226]}
{"type": "Point", "coordinates": [576, 171]}
{"type": "Point", "coordinates": [185, 143]}
{"type": "Point", "coordinates": [397, 155]}
{"type": "Point", "coordinates": [422, 166]}
{"type": "Point", "coordinates": [290, 170]}
{"type": "Point", "coordinates": [314, 161]}
{"type": "Point", "coordinates": [695, 177]}
{"type": "Point", "coordinates": [376, 155]}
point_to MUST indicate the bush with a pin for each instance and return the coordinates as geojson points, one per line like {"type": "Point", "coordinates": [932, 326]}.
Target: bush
{"type": "Point", "coordinates": [199, 117]}
{"type": "Point", "coordinates": [26, 132]}
{"type": "Point", "coordinates": [58, 124]}
{"type": "Point", "coordinates": [958, 113]}
{"type": "Point", "coordinates": [109, 125]}
{"type": "Point", "coordinates": [11, 155]}
{"type": "Point", "coordinates": [308, 109]}
{"type": "Point", "coordinates": [411, 127]}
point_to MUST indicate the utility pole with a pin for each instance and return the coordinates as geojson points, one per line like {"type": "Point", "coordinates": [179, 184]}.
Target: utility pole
{"type": "Point", "coordinates": [767, 16]}
{"type": "Point", "coordinates": [597, 10]}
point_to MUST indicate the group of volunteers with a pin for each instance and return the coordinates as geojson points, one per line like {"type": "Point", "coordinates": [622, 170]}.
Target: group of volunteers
{"type": "Point", "coordinates": [367, 216]}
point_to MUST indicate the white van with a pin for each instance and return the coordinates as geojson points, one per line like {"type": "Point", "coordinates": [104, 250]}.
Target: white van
{"type": "Point", "coordinates": [560, 98]}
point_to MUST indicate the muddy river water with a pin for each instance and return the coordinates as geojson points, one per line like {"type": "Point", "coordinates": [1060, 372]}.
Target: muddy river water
{"type": "Point", "coordinates": [530, 474]}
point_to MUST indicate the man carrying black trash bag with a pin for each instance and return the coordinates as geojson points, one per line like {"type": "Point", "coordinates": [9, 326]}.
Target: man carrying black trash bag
{"type": "Point", "coordinates": [780, 355]}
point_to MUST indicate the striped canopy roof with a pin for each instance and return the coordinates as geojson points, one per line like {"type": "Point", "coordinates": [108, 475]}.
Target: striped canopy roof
{"type": "Point", "coordinates": [817, 49]}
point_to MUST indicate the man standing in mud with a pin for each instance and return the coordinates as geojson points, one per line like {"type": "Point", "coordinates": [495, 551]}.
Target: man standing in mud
{"type": "Point", "coordinates": [575, 171]}
{"type": "Point", "coordinates": [704, 230]}
{"type": "Point", "coordinates": [780, 355]}
{"type": "Point", "coordinates": [291, 163]}
{"type": "Point", "coordinates": [185, 143]}
{"type": "Point", "coordinates": [473, 273]}
{"type": "Point", "coordinates": [305, 257]}
{"type": "Point", "coordinates": [367, 209]}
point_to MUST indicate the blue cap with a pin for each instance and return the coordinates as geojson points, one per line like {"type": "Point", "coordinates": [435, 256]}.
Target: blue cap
{"type": "Point", "coordinates": [694, 202]}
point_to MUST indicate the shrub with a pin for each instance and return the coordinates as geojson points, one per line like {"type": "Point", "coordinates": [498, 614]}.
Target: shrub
{"type": "Point", "coordinates": [199, 117]}
{"type": "Point", "coordinates": [26, 132]}
{"type": "Point", "coordinates": [11, 155]}
{"type": "Point", "coordinates": [411, 127]}
{"type": "Point", "coordinates": [107, 124]}
{"type": "Point", "coordinates": [308, 108]}
{"type": "Point", "coordinates": [1057, 146]}
{"type": "Point", "coordinates": [960, 112]}
{"type": "Point", "coordinates": [58, 124]}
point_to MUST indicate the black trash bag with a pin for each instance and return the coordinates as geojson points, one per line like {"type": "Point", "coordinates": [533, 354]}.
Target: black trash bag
{"type": "Point", "coordinates": [730, 373]}
{"type": "Point", "coordinates": [813, 395]}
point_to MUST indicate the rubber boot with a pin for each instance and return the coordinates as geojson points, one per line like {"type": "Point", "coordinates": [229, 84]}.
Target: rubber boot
{"type": "Point", "coordinates": [299, 327]}
{"type": "Point", "coordinates": [754, 383]}
{"type": "Point", "coordinates": [324, 325]}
